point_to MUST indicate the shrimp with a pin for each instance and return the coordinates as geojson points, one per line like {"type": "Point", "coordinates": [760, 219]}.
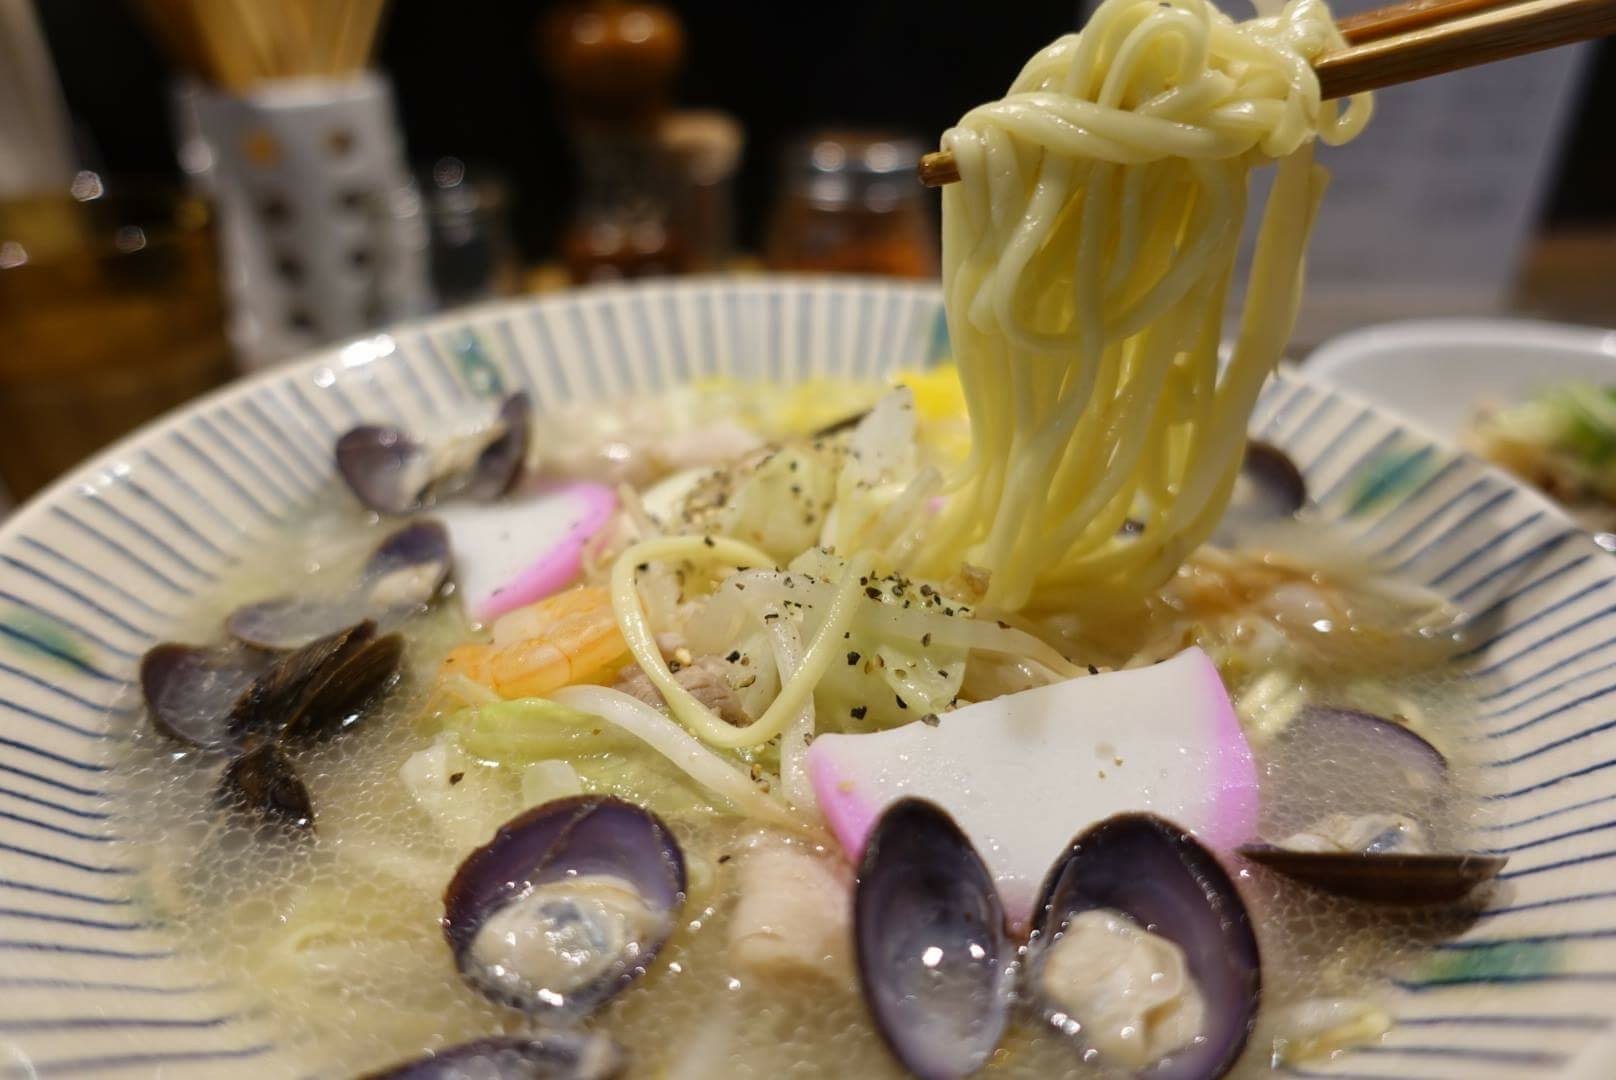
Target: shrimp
{"type": "Point", "coordinates": [566, 638]}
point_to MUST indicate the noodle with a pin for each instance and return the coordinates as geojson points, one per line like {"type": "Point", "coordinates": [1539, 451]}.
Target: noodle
{"type": "Point", "coordinates": [1088, 252]}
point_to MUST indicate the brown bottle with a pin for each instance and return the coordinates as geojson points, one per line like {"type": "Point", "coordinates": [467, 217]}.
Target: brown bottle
{"type": "Point", "coordinates": [615, 63]}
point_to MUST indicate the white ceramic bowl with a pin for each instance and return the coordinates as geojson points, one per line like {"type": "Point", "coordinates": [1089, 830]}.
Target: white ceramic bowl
{"type": "Point", "coordinates": [99, 568]}
{"type": "Point", "coordinates": [1435, 372]}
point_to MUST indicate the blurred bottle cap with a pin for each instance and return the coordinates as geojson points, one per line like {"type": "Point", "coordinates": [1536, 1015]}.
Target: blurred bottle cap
{"type": "Point", "coordinates": [841, 169]}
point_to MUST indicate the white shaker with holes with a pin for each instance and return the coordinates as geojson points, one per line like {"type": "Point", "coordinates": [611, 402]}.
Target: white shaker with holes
{"type": "Point", "coordinates": [322, 227]}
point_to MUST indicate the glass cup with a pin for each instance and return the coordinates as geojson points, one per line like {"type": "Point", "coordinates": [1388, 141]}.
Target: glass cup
{"type": "Point", "coordinates": [851, 204]}
{"type": "Point", "coordinates": [110, 314]}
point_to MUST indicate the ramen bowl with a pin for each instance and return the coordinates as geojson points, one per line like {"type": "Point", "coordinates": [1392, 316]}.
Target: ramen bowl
{"type": "Point", "coordinates": [106, 562]}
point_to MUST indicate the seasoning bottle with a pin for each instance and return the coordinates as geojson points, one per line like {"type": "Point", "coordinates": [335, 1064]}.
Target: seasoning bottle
{"type": "Point", "coordinates": [850, 204]}
{"type": "Point", "coordinates": [614, 63]}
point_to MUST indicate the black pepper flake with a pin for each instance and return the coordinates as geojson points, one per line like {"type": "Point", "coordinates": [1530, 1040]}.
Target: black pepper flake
{"type": "Point", "coordinates": [925, 639]}
{"type": "Point", "coordinates": [793, 465]}
{"type": "Point", "coordinates": [708, 541]}
{"type": "Point", "coordinates": [674, 665]}
{"type": "Point", "coordinates": [942, 674]}
{"type": "Point", "coordinates": [1003, 625]}
{"type": "Point", "coordinates": [455, 778]}
{"type": "Point", "coordinates": [852, 658]}
{"type": "Point", "coordinates": [735, 654]}
{"type": "Point", "coordinates": [864, 581]}
{"type": "Point", "coordinates": [858, 711]}
{"type": "Point", "coordinates": [740, 587]}
{"type": "Point", "coordinates": [948, 611]}
{"type": "Point", "coordinates": [926, 590]}
{"type": "Point", "coordinates": [643, 567]}
{"type": "Point", "coordinates": [930, 719]}
{"type": "Point", "coordinates": [902, 704]}
{"type": "Point", "coordinates": [770, 615]}
{"type": "Point", "coordinates": [1093, 670]}
{"type": "Point", "coordinates": [724, 859]}
{"type": "Point", "coordinates": [873, 593]}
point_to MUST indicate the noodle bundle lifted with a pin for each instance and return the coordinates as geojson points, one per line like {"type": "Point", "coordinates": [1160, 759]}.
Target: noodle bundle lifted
{"type": "Point", "coordinates": [1088, 254]}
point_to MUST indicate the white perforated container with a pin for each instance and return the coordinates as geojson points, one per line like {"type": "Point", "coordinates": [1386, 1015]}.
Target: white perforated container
{"type": "Point", "coordinates": [322, 229]}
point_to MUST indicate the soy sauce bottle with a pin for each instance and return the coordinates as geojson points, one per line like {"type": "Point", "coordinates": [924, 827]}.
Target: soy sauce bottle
{"type": "Point", "coordinates": [615, 63]}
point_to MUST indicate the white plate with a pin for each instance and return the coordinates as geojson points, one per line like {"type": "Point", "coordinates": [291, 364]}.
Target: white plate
{"type": "Point", "coordinates": [1434, 372]}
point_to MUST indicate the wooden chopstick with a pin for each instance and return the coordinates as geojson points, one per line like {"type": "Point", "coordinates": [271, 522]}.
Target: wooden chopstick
{"type": "Point", "coordinates": [1392, 19]}
{"type": "Point", "coordinates": [1480, 38]}
{"type": "Point", "coordinates": [1415, 40]}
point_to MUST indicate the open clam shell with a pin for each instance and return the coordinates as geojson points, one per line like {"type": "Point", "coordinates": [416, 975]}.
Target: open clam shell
{"type": "Point", "coordinates": [548, 1055]}
{"type": "Point", "coordinates": [566, 905]}
{"type": "Point", "coordinates": [1160, 878]}
{"type": "Point", "coordinates": [1412, 880]}
{"type": "Point", "coordinates": [391, 473]}
{"type": "Point", "coordinates": [263, 784]}
{"type": "Point", "coordinates": [1270, 485]}
{"type": "Point", "coordinates": [385, 469]}
{"type": "Point", "coordinates": [499, 465]}
{"type": "Point", "coordinates": [190, 690]}
{"type": "Point", "coordinates": [277, 696]}
{"type": "Point", "coordinates": [401, 577]}
{"type": "Point", "coordinates": [934, 958]}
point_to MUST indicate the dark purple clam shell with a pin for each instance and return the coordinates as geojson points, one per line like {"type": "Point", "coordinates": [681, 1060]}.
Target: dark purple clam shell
{"type": "Point", "coordinates": [1270, 484]}
{"type": "Point", "coordinates": [191, 690]}
{"type": "Point", "coordinates": [1382, 878]}
{"type": "Point", "coordinates": [1381, 746]}
{"type": "Point", "coordinates": [934, 958]}
{"type": "Point", "coordinates": [402, 576]}
{"type": "Point", "coordinates": [383, 468]}
{"type": "Point", "coordinates": [408, 568]}
{"type": "Point", "coordinates": [277, 696]}
{"type": "Point", "coordinates": [563, 839]}
{"type": "Point", "coordinates": [391, 473]}
{"type": "Point", "coordinates": [263, 784]}
{"type": "Point", "coordinates": [1158, 875]}
{"type": "Point", "coordinates": [499, 465]}
{"type": "Point", "coordinates": [547, 1055]}
{"type": "Point", "coordinates": [351, 684]}
{"type": "Point", "coordinates": [282, 623]}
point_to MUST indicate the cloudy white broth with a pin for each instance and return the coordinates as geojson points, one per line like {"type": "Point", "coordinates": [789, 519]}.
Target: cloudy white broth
{"type": "Point", "coordinates": [1019, 717]}
{"type": "Point", "coordinates": [302, 840]}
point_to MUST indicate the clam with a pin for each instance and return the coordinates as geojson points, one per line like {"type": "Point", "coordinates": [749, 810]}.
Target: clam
{"type": "Point", "coordinates": [190, 690]}
{"type": "Point", "coordinates": [1409, 879]}
{"type": "Point", "coordinates": [276, 696]}
{"type": "Point", "coordinates": [402, 576]}
{"type": "Point", "coordinates": [1377, 854]}
{"type": "Point", "coordinates": [499, 465]}
{"type": "Point", "coordinates": [351, 684]}
{"type": "Point", "coordinates": [1143, 950]}
{"type": "Point", "coordinates": [263, 784]}
{"type": "Point", "coordinates": [566, 905]}
{"type": "Point", "coordinates": [1387, 747]}
{"type": "Point", "coordinates": [229, 698]}
{"type": "Point", "coordinates": [934, 959]}
{"type": "Point", "coordinates": [392, 473]}
{"type": "Point", "coordinates": [548, 1055]}
{"type": "Point", "coordinates": [386, 470]}
{"type": "Point", "coordinates": [1270, 485]}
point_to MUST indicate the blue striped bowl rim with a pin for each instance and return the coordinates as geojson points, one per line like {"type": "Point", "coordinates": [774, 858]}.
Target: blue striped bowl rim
{"type": "Point", "coordinates": [103, 565]}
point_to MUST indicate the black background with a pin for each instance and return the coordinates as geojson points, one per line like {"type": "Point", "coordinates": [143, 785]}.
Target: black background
{"type": "Point", "coordinates": [469, 84]}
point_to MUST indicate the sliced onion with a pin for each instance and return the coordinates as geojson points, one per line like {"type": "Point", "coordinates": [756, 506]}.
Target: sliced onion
{"type": "Point", "coordinates": [668, 738]}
